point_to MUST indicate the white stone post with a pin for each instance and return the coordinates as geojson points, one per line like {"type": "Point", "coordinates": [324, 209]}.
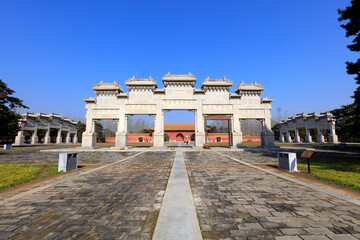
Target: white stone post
{"type": "Point", "coordinates": [58, 137]}
{"type": "Point", "coordinates": [320, 136]}
{"type": "Point", "coordinates": [89, 136]}
{"type": "Point", "coordinates": [199, 128]}
{"type": "Point", "coordinates": [288, 137]}
{"type": "Point", "coordinates": [281, 139]}
{"type": "Point", "coordinates": [121, 137]}
{"type": "Point", "coordinates": [159, 129]}
{"type": "Point", "coordinates": [68, 137]}
{"type": "Point", "coordinates": [75, 139]}
{"type": "Point", "coordinates": [237, 134]}
{"type": "Point", "coordinates": [47, 136]}
{"type": "Point", "coordinates": [297, 136]}
{"type": "Point", "coordinates": [34, 137]}
{"type": "Point", "coordinates": [308, 137]}
{"type": "Point", "coordinates": [333, 136]}
{"type": "Point", "coordinates": [19, 139]}
{"type": "Point", "coordinates": [267, 136]}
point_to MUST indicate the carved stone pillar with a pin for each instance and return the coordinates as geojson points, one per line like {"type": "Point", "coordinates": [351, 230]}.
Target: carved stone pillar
{"type": "Point", "coordinates": [58, 137]}
{"type": "Point", "coordinates": [333, 136]}
{"type": "Point", "coordinates": [320, 136]}
{"type": "Point", "coordinates": [297, 136]}
{"type": "Point", "coordinates": [267, 136]}
{"type": "Point", "coordinates": [199, 128]}
{"type": "Point", "coordinates": [19, 139]}
{"type": "Point", "coordinates": [281, 139]}
{"type": "Point", "coordinates": [47, 136]}
{"type": "Point", "coordinates": [237, 134]}
{"type": "Point", "coordinates": [68, 137]}
{"type": "Point", "coordinates": [34, 137]}
{"type": "Point", "coordinates": [288, 137]}
{"type": "Point", "coordinates": [308, 137]}
{"type": "Point", "coordinates": [75, 139]}
{"type": "Point", "coordinates": [89, 136]}
{"type": "Point", "coordinates": [121, 137]}
{"type": "Point", "coordinates": [159, 129]}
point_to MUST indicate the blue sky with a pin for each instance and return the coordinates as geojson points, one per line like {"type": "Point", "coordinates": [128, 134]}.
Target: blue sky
{"type": "Point", "coordinates": [53, 52]}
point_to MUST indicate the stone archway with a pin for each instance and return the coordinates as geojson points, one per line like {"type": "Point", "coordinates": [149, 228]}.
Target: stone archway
{"type": "Point", "coordinates": [179, 137]}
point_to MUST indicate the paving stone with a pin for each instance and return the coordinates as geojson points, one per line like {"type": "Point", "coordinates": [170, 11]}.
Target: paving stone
{"type": "Point", "coordinates": [267, 206]}
{"type": "Point", "coordinates": [96, 205]}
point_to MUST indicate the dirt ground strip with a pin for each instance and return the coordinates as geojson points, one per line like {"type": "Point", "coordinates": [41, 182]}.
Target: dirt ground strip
{"type": "Point", "coordinates": [34, 156]}
{"type": "Point", "coordinates": [117, 202]}
{"type": "Point", "coordinates": [235, 201]}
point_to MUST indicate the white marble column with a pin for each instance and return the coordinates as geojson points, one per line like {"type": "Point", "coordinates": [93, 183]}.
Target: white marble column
{"type": "Point", "coordinates": [58, 137]}
{"type": "Point", "coordinates": [281, 139]}
{"type": "Point", "coordinates": [75, 139]}
{"type": "Point", "coordinates": [308, 137]}
{"type": "Point", "coordinates": [19, 139]}
{"type": "Point", "coordinates": [34, 137]}
{"type": "Point", "coordinates": [297, 136]}
{"type": "Point", "coordinates": [267, 136]}
{"type": "Point", "coordinates": [159, 129]}
{"type": "Point", "coordinates": [89, 136]}
{"type": "Point", "coordinates": [47, 136]}
{"type": "Point", "coordinates": [288, 137]}
{"type": "Point", "coordinates": [237, 134]}
{"type": "Point", "coordinates": [68, 137]}
{"type": "Point", "coordinates": [199, 128]}
{"type": "Point", "coordinates": [121, 137]}
{"type": "Point", "coordinates": [320, 136]}
{"type": "Point", "coordinates": [333, 136]}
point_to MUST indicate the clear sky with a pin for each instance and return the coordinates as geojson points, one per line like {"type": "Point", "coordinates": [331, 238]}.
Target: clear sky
{"type": "Point", "coordinates": [53, 52]}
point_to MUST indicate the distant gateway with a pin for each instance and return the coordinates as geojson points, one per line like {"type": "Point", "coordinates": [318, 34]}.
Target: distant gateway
{"type": "Point", "coordinates": [212, 102]}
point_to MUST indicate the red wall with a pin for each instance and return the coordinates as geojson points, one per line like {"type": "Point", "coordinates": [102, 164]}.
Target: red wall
{"type": "Point", "coordinates": [172, 137]}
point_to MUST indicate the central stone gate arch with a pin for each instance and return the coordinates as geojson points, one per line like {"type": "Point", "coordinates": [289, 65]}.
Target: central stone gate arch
{"type": "Point", "coordinates": [144, 97]}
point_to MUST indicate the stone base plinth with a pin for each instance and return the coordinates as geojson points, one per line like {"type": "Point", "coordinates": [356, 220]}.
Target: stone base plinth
{"type": "Point", "coordinates": [333, 139]}
{"type": "Point", "coordinates": [308, 138]}
{"type": "Point", "coordinates": [121, 140]}
{"type": "Point", "coordinates": [88, 140]}
{"type": "Point", "coordinates": [237, 140]}
{"type": "Point", "coordinates": [19, 140]}
{"type": "Point", "coordinates": [47, 140]}
{"type": "Point", "coordinates": [267, 139]}
{"type": "Point", "coordinates": [199, 139]}
{"type": "Point", "coordinates": [158, 140]}
{"type": "Point", "coordinates": [320, 138]}
{"type": "Point", "coordinates": [34, 140]}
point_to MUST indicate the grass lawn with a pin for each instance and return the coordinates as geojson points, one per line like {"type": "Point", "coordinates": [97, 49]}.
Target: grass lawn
{"type": "Point", "coordinates": [346, 173]}
{"type": "Point", "coordinates": [16, 174]}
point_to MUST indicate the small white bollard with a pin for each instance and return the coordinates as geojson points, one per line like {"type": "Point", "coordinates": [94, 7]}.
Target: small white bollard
{"type": "Point", "coordinates": [68, 161]}
{"type": "Point", "coordinates": [7, 146]}
{"type": "Point", "coordinates": [287, 161]}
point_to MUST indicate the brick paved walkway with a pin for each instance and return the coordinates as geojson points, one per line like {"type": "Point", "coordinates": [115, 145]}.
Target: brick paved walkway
{"type": "Point", "coordinates": [34, 156]}
{"type": "Point", "coordinates": [121, 201]}
{"type": "Point", "coordinates": [238, 202]}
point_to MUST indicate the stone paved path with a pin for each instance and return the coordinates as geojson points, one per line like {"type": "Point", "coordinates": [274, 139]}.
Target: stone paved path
{"type": "Point", "coordinates": [235, 201]}
{"type": "Point", "coordinates": [177, 219]}
{"type": "Point", "coordinates": [121, 201]}
{"type": "Point", "coordinates": [34, 156]}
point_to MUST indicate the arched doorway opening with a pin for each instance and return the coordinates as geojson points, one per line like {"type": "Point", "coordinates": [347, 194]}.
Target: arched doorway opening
{"type": "Point", "coordinates": [179, 137]}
